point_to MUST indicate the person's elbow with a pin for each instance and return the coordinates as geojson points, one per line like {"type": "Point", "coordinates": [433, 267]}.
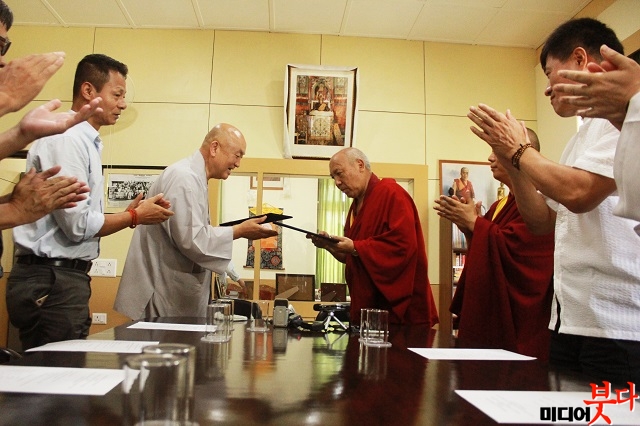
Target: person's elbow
{"type": "Point", "coordinates": [541, 224]}
{"type": "Point", "coordinates": [588, 195]}
{"type": "Point", "coordinates": [75, 236]}
{"type": "Point", "coordinates": [540, 228]}
{"type": "Point", "coordinates": [584, 202]}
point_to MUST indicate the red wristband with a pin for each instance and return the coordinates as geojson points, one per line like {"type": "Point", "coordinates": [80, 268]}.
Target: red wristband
{"type": "Point", "coordinates": [134, 218]}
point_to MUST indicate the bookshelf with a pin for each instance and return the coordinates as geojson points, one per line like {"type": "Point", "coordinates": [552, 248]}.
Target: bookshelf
{"type": "Point", "coordinates": [453, 252]}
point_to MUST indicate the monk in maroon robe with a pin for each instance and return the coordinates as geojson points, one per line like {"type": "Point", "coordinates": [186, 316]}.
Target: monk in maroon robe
{"type": "Point", "coordinates": [503, 298]}
{"type": "Point", "coordinates": [383, 247]}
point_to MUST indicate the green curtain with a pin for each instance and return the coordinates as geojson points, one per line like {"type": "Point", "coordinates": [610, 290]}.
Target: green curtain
{"type": "Point", "coordinates": [333, 207]}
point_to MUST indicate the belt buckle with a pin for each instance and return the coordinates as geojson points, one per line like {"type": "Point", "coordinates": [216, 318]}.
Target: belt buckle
{"type": "Point", "coordinates": [81, 265]}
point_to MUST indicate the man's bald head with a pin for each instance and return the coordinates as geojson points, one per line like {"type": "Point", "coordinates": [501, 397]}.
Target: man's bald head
{"type": "Point", "coordinates": [223, 148]}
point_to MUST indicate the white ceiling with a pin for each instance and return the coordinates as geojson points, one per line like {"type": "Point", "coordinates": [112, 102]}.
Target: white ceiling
{"type": "Point", "coordinates": [518, 23]}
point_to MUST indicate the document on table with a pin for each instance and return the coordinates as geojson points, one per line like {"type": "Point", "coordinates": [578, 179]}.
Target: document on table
{"type": "Point", "coordinates": [534, 407]}
{"type": "Point", "coordinates": [470, 354]}
{"type": "Point", "coordinates": [118, 346]}
{"type": "Point", "coordinates": [168, 326]}
{"type": "Point", "coordinates": [58, 380]}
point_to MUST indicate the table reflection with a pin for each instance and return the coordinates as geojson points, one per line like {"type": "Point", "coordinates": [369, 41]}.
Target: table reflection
{"type": "Point", "coordinates": [288, 376]}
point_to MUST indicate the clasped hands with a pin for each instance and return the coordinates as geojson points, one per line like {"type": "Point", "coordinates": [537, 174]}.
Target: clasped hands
{"type": "Point", "coordinates": [503, 132]}
{"type": "Point", "coordinates": [462, 212]}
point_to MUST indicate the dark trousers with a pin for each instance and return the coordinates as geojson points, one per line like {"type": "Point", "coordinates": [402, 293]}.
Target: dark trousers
{"type": "Point", "coordinates": [48, 303]}
{"type": "Point", "coordinates": [612, 360]}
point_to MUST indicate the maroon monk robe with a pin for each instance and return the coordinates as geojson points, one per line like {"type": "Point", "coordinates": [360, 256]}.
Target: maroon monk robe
{"type": "Point", "coordinates": [503, 298]}
{"type": "Point", "coordinates": [390, 271]}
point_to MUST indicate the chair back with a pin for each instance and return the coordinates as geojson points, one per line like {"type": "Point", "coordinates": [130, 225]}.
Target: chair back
{"type": "Point", "coordinates": [7, 355]}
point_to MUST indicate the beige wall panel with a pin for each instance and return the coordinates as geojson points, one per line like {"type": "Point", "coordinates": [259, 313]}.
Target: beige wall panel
{"type": "Point", "coordinates": [391, 138]}
{"type": "Point", "coordinates": [449, 138]}
{"type": "Point", "coordinates": [249, 67]}
{"type": "Point", "coordinates": [75, 42]}
{"type": "Point", "coordinates": [164, 65]}
{"type": "Point", "coordinates": [263, 127]}
{"type": "Point", "coordinates": [4, 315]}
{"type": "Point", "coordinates": [433, 244]}
{"type": "Point", "coordinates": [103, 294]}
{"type": "Point", "coordinates": [155, 134]}
{"type": "Point", "coordinates": [458, 76]}
{"type": "Point", "coordinates": [391, 71]}
{"type": "Point", "coordinates": [116, 246]}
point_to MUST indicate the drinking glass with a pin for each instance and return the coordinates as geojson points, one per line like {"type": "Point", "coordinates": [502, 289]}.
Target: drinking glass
{"type": "Point", "coordinates": [154, 388]}
{"type": "Point", "coordinates": [189, 352]}
{"type": "Point", "coordinates": [218, 326]}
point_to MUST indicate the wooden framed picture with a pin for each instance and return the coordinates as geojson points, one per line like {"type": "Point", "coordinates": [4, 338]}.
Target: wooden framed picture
{"type": "Point", "coordinates": [304, 282]}
{"type": "Point", "coordinates": [268, 182]}
{"type": "Point", "coordinates": [470, 179]}
{"type": "Point", "coordinates": [123, 183]}
{"type": "Point", "coordinates": [320, 110]}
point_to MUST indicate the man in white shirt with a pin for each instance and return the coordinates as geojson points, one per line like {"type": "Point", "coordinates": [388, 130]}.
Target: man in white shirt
{"type": "Point", "coordinates": [611, 90]}
{"type": "Point", "coordinates": [596, 307]}
{"type": "Point", "coordinates": [48, 290]}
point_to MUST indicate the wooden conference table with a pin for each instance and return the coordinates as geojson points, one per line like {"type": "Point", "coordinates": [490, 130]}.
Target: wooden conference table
{"type": "Point", "coordinates": [291, 377]}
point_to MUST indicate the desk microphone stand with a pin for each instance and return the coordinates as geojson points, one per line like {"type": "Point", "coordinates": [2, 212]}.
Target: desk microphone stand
{"type": "Point", "coordinates": [331, 316]}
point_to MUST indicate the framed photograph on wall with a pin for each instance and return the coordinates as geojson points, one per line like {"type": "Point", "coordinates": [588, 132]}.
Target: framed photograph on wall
{"type": "Point", "coordinates": [123, 183]}
{"type": "Point", "coordinates": [268, 182]}
{"type": "Point", "coordinates": [470, 178]}
{"type": "Point", "coordinates": [320, 110]}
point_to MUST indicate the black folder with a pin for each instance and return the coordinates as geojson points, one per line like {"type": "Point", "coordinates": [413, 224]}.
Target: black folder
{"type": "Point", "coordinates": [271, 217]}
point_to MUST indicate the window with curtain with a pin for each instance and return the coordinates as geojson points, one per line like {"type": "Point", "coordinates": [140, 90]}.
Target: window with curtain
{"type": "Point", "coordinates": [333, 207]}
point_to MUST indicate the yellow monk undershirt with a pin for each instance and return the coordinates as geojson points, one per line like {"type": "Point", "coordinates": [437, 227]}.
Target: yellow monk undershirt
{"type": "Point", "coordinates": [499, 207]}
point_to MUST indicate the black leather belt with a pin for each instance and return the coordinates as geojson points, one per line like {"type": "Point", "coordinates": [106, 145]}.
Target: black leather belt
{"type": "Point", "coordinates": [77, 264]}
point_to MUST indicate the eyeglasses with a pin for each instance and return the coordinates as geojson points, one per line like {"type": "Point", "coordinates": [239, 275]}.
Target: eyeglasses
{"type": "Point", "coordinates": [6, 44]}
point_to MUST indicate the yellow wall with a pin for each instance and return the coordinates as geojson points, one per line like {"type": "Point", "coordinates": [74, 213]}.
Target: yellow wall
{"type": "Point", "coordinates": [413, 98]}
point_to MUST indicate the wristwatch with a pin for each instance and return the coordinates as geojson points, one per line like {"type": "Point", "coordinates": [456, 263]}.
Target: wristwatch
{"type": "Point", "coordinates": [354, 252]}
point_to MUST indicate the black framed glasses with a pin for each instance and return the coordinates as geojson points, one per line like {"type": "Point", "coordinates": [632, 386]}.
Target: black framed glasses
{"type": "Point", "coordinates": [5, 44]}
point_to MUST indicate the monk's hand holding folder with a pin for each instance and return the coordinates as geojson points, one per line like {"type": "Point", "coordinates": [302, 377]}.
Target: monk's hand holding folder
{"type": "Point", "coordinates": [339, 247]}
{"type": "Point", "coordinates": [323, 240]}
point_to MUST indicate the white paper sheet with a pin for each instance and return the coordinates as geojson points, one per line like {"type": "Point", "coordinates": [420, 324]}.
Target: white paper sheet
{"type": "Point", "coordinates": [118, 346]}
{"type": "Point", "coordinates": [168, 326]}
{"type": "Point", "coordinates": [58, 380]}
{"type": "Point", "coordinates": [470, 354]}
{"type": "Point", "coordinates": [525, 407]}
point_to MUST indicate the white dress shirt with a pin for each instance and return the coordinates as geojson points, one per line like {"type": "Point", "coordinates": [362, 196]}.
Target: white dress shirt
{"type": "Point", "coordinates": [597, 254]}
{"type": "Point", "coordinates": [626, 162]}
{"type": "Point", "coordinates": [67, 233]}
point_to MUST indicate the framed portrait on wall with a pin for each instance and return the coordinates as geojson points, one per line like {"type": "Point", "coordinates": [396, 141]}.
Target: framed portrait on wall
{"type": "Point", "coordinates": [320, 110]}
{"type": "Point", "coordinates": [124, 183]}
{"type": "Point", "coordinates": [470, 179]}
{"type": "Point", "coordinates": [268, 182]}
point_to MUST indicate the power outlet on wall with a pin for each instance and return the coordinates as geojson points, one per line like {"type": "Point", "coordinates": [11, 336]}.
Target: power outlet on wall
{"type": "Point", "coordinates": [103, 268]}
{"type": "Point", "coordinates": [99, 318]}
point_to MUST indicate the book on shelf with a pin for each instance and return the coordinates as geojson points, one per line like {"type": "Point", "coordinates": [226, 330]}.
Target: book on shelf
{"type": "Point", "coordinates": [459, 241]}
